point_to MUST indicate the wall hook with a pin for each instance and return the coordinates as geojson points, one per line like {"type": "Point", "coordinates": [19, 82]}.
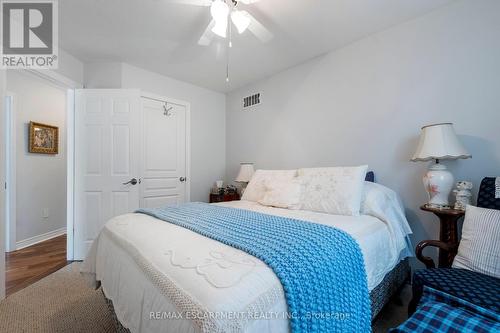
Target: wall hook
{"type": "Point", "coordinates": [167, 110]}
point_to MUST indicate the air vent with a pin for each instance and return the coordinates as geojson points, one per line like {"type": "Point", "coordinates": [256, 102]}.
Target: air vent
{"type": "Point", "coordinates": [252, 100]}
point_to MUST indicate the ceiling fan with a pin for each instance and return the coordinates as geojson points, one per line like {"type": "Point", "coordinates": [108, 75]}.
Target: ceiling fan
{"type": "Point", "coordinates": [223, 13]}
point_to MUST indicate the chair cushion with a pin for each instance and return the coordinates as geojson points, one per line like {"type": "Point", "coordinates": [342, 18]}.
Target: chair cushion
{"type": "Point", "coordinates": [479, 248]}
{"type": "Point", "coordinates": [486, 197]}
{"type": "Point", "coordinates": [477, 288]}
{"type": "Point", "coordinates": [441, 312]}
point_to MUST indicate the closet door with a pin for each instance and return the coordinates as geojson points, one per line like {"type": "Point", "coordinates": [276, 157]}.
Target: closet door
{"type": "Point", "coordinates": [107, 160]}
{"type": "Point", "coordinates": [163, 162]}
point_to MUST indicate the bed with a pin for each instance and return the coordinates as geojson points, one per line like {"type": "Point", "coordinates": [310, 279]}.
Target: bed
{"type": "Point", "coordinates": [149, 269]}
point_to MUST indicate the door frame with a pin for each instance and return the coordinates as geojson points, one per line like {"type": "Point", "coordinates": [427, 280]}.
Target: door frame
{"type": "Point", "coordinates": [187, 105]}
{"type": "Point", "coordinates": [69, 85]}
{"type": "Point", "coordinates": [10, 101]}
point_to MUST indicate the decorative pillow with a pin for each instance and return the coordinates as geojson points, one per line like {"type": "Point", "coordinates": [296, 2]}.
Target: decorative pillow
{"type": "Point", "coordinates": [282, 194]}
{"type": "Point", "coordinates": [257, 186]}
{"type": "Point", "coordinates": [479, 249]}
{"type": "Point", "coordinates": [336, 190]}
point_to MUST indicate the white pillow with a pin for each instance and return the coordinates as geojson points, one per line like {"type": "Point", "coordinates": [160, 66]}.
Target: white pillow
{"type": "Point", "coordinates": [283, 194]}
{"type": "Point", "coordinates": [479, 248]}
{"type": "Point", "coordinates": [336, 190]}
{"type": "Point", "coordinates": [377, 197]}
{"type": "Point", "coordinates": [257, 186]}
{"type": "Point", "coordinates": [386, 205]}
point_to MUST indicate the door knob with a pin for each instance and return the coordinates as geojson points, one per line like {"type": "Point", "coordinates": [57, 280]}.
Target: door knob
{"type": "Point", "coordinates": [182, 179]}
{"type": "Point", "coordinates": [133, 181]}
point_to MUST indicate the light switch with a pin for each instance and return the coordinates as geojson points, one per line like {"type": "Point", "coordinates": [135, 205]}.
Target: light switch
{"type": "Point", "coordinates": [45, 213]}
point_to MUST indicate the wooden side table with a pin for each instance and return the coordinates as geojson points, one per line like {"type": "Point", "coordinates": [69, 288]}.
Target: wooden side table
{"type": "Point", "coordinates": [214, 197]}
{"type": "Point", "coordinates": [448, 231]}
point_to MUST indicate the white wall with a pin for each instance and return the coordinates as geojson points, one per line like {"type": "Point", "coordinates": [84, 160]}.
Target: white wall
{"type": "Point", "coordinates": [365, 103]}
{"type": "Point", "coordinates": [102, 75]}
{"type": "Point", "coordinates": [41, 179]}
{"type": "Point", "coordinates": [70, 67]}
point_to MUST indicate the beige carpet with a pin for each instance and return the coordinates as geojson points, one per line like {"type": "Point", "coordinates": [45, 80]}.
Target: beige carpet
{"type": "Point", "coordinates": [63, 303]}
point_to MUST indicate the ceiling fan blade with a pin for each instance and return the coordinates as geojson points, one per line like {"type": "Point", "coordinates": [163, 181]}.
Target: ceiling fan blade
{"type": "Point", "coordinates": [259, 30]}
{"type": "Point", "coordinates": [208, 35]}
{"type": "Point", "coordinates": [203, 3]}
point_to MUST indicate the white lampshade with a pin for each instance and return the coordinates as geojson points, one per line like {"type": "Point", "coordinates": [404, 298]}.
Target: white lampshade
{"type": "Point", "coordinates": [439, 142]}
{"type": "Point", "coordinates": [246, 173]}
{"type": "Point", "coordinates": [241, 20]}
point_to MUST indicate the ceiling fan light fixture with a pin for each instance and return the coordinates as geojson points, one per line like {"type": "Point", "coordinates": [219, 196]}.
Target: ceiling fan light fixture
{"type": "Point", "coordinates": [220, 28]}
{"type": "Point", "coordinates": [219, 11]}
{"type": "Point", "coordinates": [241, 20]}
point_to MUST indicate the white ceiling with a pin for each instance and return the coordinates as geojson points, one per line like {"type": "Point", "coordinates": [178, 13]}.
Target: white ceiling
{"type": "Point", "coordinates": [161, 36]}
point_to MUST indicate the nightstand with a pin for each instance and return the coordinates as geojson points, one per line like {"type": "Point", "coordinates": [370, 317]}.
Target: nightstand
{"type": "Point", "coordinates": [448, 232]}
{"type": "Point", "coordinates": [224, 197]}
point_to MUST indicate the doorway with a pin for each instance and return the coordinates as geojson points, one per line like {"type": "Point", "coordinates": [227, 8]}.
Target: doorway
{"type": "Point", "coordinates": [36, 174]}
{"type": "Point", "coordinates": [36, 159]}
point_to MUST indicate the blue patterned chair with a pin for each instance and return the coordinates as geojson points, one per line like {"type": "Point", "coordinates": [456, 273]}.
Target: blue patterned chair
{"type": "Point", "coordinates": [442, 312]}
{"type": "Point", "coordinates": [476, 288]}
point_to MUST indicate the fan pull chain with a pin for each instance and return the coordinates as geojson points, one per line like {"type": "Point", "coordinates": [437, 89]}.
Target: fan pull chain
{"type": "Point", "coordinates": [230, 34]}
{"type": "Point", "coordinates": [230, 45]}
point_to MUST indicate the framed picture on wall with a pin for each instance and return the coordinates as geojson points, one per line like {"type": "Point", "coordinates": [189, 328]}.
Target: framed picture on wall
{"type": "Point", "coordinates": [43, 139]}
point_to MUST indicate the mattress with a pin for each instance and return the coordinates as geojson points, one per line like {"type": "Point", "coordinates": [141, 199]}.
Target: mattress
{"type": "Point", "coordinates": [150, 268]}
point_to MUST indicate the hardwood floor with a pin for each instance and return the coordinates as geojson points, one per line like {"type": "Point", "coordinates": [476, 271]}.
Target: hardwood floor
{"type": "Point", "coordinates": [28, 265]}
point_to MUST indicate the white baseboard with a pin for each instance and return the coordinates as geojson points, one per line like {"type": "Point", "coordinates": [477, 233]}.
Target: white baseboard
{"type": "Point", "coordinates": [40, 238]}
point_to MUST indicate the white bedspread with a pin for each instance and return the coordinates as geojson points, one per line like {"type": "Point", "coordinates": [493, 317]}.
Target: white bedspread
{"type": "Point", "coordinates": [152, 269]}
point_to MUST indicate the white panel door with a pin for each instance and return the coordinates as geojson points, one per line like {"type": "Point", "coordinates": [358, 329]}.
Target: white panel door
{"type": "Point", "coordinates": [107, 157]}
{"type": "Point", "coordinates": [163, 148]}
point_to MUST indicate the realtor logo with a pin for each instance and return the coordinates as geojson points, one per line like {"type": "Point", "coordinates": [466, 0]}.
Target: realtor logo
{"type": "Point", "coordinates": [29, 34]}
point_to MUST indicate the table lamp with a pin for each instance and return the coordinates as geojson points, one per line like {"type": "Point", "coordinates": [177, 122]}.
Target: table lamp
{"type": "Point", "coordinates": [245, 174]}
{"type": "Point", "coordinates": [439, 142]}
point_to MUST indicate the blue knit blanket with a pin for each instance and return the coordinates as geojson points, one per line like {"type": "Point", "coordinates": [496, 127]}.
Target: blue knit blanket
{"type": "Point", "coordinates": [321, 268]}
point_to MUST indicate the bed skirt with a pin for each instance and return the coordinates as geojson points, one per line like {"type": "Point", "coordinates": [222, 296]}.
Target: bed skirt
{"type": "Point", "coordinates": [392, 284]}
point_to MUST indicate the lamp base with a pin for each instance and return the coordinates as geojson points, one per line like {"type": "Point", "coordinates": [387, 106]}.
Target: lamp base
{"type": "Point", "coordinates": [438, 182]}
{"type": "Point", "coordinates": [243, 187]}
